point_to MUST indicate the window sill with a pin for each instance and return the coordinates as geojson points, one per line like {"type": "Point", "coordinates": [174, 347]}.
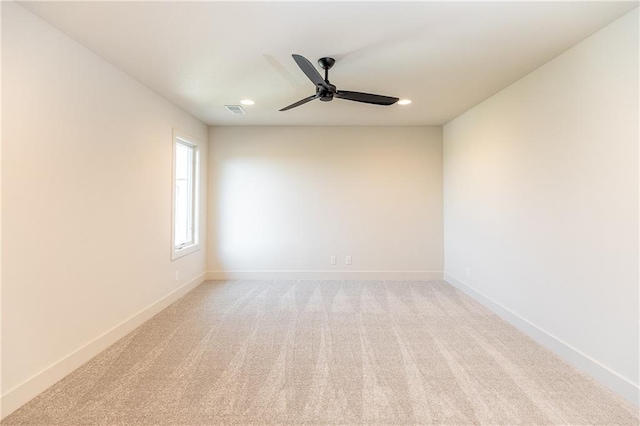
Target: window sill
{"type": "Point", "coordinates": [178, 253]}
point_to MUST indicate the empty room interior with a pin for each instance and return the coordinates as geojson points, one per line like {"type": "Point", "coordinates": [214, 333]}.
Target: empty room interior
{"type": "Point", "coordinates": [420, 213]}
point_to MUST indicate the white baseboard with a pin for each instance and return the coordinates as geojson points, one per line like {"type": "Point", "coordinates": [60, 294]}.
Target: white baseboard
{"type": "Point", "coordinates": [23, 393]}
{"type": "Point", "coordinates": [326, 275]}
{"type": "Point", "coordinates": [614, 381]}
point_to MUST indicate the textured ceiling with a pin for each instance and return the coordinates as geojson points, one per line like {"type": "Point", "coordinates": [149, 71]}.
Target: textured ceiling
{"type": "Point", "coordinates": [445, 56]}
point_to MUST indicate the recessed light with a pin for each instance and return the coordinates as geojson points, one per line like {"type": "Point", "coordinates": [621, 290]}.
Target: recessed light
{"type": "Point", "coordinates": [247, 102]}
{"type": "Point", "coordinates": [404, 101]}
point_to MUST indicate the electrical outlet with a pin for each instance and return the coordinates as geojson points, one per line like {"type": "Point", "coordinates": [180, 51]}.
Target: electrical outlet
{"type": "Point", "coordinates": [177, 275]}
{"type": "Point", "coordinates": [333, 260]}
{"type": "Point", "coordinates": [347, 261]}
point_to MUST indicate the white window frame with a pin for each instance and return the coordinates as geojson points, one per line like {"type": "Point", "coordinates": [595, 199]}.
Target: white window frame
{"type": "Point", "coordinates": [180, 137]}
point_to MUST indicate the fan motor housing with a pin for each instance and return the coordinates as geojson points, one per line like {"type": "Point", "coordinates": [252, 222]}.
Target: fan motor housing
{"type": "Point", "coordinates": [326, 96]}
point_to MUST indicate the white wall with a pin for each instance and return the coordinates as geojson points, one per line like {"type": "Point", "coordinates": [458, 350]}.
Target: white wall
{"type": "Point", "coordinates": [541, 204]}
{"type": "Point", "coordinates": [86, 188]}
{"type": "Point", "coordinates": [283, 200]}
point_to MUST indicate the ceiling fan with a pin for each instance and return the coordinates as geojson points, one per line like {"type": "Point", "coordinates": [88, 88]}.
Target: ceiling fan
{"type": "Point", "coordinates": [325, 91]}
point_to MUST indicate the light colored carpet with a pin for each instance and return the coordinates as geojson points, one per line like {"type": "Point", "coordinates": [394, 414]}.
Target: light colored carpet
{"type": "Point", "coordinates": [326, 352]}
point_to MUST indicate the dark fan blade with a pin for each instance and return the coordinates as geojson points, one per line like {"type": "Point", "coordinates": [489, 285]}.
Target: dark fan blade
{"type": "Point", "coordinates": [309, 70]}
{"type": "Point", "coordinates": [367, 98]}
{"type": "Point", "coordinates": [300, 102]}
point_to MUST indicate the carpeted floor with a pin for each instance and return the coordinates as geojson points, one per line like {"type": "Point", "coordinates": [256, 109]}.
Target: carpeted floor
{"type": "Point", "coordinates": [326, 352]}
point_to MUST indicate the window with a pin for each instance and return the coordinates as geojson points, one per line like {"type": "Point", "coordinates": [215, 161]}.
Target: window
{"type": "Point", "coordinates": [185, 196]}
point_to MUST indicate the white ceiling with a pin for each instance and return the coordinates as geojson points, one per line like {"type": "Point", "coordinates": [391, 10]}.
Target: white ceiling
{"type": "Point", "coordinates": [445, 56]}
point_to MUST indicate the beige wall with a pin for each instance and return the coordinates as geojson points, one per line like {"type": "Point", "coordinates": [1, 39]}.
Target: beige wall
{"type": "Point", "coordinates": [86, 187]}
{"type": "Point", "coordinates": [283, 200]}
{"type": "Point", "coordinates": [541, 204]}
